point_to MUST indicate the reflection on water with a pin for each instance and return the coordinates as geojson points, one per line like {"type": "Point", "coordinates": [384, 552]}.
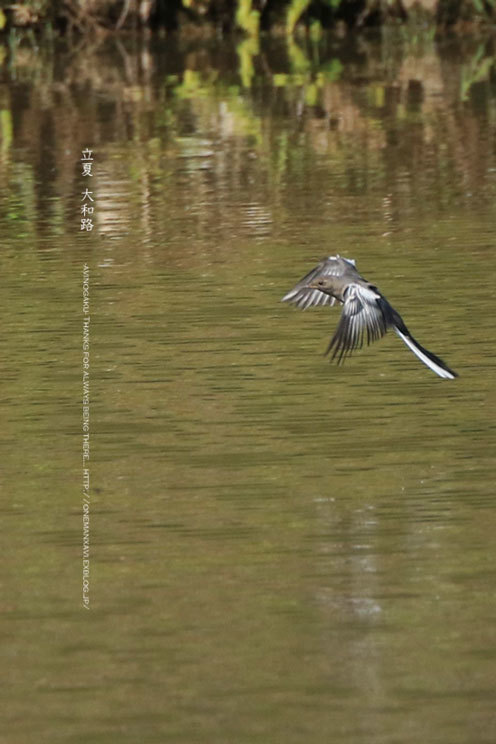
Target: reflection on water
{"type": "Point", "coordinates": [281, 549]}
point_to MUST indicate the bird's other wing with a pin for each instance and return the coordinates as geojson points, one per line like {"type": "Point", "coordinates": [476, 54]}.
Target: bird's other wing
{"type": "Point", "coordinates": [303, 296]}
{"type": "Point", "coordinates": [365, 316]}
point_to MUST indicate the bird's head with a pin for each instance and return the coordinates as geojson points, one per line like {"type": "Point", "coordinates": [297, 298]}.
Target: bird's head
{"type": "Point", "coordinates": [323, 284]}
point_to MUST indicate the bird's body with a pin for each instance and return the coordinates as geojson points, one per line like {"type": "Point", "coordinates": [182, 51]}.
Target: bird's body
{"type": "Point", "coordinates": [366, 314]}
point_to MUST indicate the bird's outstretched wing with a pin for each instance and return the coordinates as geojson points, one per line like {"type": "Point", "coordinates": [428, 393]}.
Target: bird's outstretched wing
{"type": "Point", "coordinates": [366, 316]}
{"type": "Point", "coordinates": [304, 296]}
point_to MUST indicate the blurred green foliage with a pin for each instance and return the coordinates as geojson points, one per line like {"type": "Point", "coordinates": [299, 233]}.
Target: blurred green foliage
{"type": "Point", "coordinates": [247, 18]}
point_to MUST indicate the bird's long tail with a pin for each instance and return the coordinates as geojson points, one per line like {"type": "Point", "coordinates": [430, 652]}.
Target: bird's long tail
{"type": "Point", "coordinates": [428, 358]}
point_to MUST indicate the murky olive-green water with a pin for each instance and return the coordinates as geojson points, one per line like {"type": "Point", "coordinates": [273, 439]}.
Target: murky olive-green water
{"type": "Point", "coordinates": [281, 550]}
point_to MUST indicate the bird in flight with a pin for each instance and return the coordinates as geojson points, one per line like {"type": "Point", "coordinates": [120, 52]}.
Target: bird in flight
{"type": "Point", "coordinates": [366, 314]}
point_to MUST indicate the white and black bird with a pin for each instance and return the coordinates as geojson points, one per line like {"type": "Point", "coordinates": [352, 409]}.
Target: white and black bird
{"type": "Point", "coordinates": [366, 314]}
